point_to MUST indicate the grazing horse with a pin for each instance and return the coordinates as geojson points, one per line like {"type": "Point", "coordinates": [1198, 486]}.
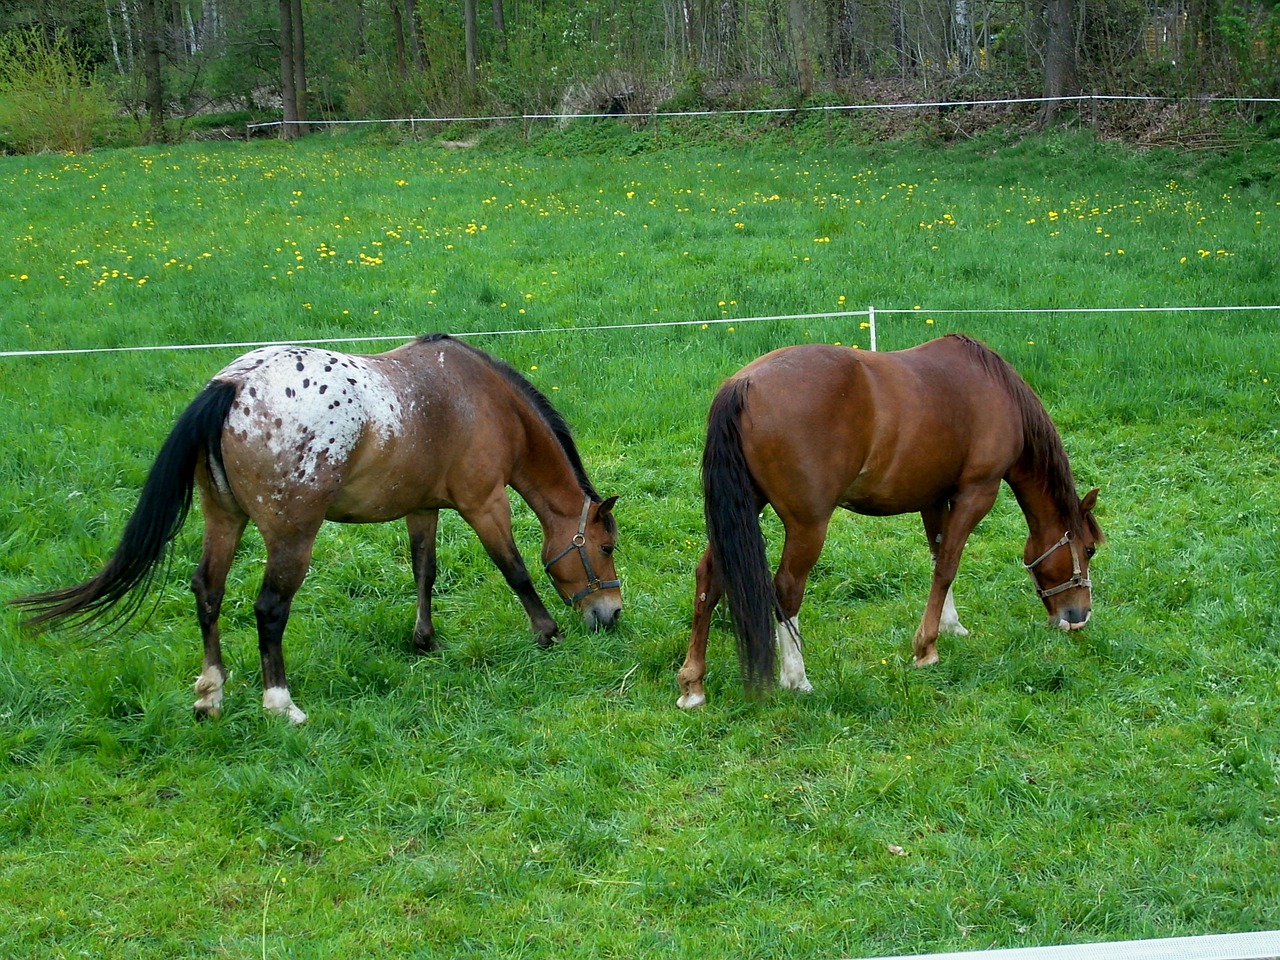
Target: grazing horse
{"type": "Point", "coordinates": [932, 429]}
{"type": "Point", "coordinates": [288, 437]}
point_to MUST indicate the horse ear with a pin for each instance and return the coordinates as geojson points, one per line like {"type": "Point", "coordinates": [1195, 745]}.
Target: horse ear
{"type": "Point", "coordinates": [1089, 500]}
{"type": "Point", "coordinates": [606, 507]}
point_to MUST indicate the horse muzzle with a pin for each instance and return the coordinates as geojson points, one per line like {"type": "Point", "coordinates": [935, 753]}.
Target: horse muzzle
{"type": "Point", "coordinates": [1070, 619]}
{"type": "Point", "coordinates": [601, 611]}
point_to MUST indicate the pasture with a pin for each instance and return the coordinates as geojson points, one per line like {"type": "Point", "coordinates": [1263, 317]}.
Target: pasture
{"type": "Point", "coordinates": [497, 799]}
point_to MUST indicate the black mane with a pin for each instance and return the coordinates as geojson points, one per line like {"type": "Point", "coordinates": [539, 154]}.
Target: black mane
{"type": "Point", "coordinates": [538, 401]}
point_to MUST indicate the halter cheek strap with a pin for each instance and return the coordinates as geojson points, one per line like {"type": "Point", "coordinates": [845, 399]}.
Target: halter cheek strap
{"type": "Point", "coordinates": [579, 543]}
{"type": "Point", "coordinates": [1075, 581]}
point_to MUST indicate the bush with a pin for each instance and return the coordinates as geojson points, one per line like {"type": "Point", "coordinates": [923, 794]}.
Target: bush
{"type": "Point", "coordinates": [48, 98]}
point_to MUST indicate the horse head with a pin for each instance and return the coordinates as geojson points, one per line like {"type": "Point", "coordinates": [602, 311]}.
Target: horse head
{"type": "Point", "coordinates": [583, 573]}
{"type": "Point", "coordinates": [1061, 568]}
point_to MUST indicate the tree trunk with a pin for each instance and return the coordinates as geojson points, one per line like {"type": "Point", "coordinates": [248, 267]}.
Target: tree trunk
{"type": "Point", "coordinates": [800, 38]}
{"type": "Point", "coordinates": [299, 65]}
{"type": "Point", "coordinates": [469, 31]}
{"type": "Point", "coordinates": [288, 92]}
{"type": "Point", "coordinates": [727, 58]}
{"type": "Point", "coordinates": [1059, 58]}
{"type": "Point", "coordinates": [500, 23]}
{"type": "Point", "coordinates": [397, 35]}
{"type": "Point", "coordinates": [412, 34]}
{"type": "Point", "coordinates": [843, 18]}
{"type": "Point", "coordinates": [963, 24]}
{"type": "Point", "coordinates": [152, 65]}
{"type": "Point", "coordinates": [898, 26]}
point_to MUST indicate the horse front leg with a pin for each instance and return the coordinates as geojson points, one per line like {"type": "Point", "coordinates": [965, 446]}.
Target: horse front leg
{"type": "Point", "coordinates": [935, 519]}
{"type": "Point", "coordinates": [422, 551]}
{"type": "Point", "coordinates": [706, 594]}
{"type": "Point", "coordinates": [967, 508]}
{"type": "Point", "coordinates": [222, 531]}
{"type": "Point", "coordinates": [287, 563]}
{"type": "Point", "coordinates": [492, 525]}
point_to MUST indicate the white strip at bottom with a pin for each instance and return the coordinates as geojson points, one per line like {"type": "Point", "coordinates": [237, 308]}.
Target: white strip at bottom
{"type": "Point", "coordinates": [1264, 945]}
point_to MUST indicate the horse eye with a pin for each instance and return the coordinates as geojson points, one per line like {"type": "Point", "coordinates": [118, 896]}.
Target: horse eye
{"type": "Point", "coordinates": [607, 549]}
{"type": "Point", "coordinates": [1090, 551]}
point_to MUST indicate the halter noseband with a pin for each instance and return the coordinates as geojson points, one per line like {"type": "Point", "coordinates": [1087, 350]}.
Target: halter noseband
{"type": "Point", "coordinates": [1075, 581]}
{"type": "Point", "coordinates": [579, 543]}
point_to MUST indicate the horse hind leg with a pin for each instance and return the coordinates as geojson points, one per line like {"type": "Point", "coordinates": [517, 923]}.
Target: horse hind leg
{"type": "Point", "coordinates": [800, 552]}
{"type": "Point", "coordinates": [222, 531]}
{"type": "Point", "coordinates": [287, 563]}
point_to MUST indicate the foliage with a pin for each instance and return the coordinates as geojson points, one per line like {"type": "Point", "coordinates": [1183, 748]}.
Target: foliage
{"type": "Point", "coordinates": [493, 799]}
{"type": "Point", "coordinates": [1253, 37]}
{"type": "Point", "coordinates": [49, 100]}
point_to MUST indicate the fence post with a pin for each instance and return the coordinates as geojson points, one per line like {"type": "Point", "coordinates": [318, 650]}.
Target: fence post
{"type": "Point", "coordinates": [871, 325]}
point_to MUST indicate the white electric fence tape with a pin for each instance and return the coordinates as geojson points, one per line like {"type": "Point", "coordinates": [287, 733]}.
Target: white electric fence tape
{"type": "Point", "coordinates": [870, 312]}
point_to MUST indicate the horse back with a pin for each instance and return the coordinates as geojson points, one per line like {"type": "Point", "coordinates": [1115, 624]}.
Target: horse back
{"type": "Point", "coordinates": [878, 433]}
{"type": "Point", "coordinates": [315, 434]}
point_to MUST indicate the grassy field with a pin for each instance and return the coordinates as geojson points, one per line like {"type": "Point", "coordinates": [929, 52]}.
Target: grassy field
{"type": "Point", "coordinates": [498, 800]}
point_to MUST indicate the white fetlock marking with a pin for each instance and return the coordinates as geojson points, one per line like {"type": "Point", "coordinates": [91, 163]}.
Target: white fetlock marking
{"type": "Point", "coordinates": [277, 700]}
{"type": "Point", "coordinates": [950, 621]}
{"type": "Point", "coordinates": [791, 674]}
{"type": "Point", "coordinates": [691, 701]}
{"type": "Point", "coordinates": [209, 689]}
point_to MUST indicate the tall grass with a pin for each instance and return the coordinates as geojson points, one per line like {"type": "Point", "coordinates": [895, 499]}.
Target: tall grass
{"type": "Point", "coordinates": [1034, 787]}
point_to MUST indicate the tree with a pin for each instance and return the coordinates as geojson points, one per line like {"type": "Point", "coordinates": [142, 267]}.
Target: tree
{"type": "Point", "coordinates": [1060, 79]}
{"type": "Point", "coordinates": [293, 77]}
{"type": "Point", "coordinates": [153, 67]}
{"type": "Point", "coordinates": [469, 30]}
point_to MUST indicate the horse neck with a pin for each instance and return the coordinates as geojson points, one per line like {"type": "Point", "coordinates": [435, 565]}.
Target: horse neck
{"type": "Point", "coordinates": [543, 475]}
{"type": "Point", "coordinates": [1034, 493]}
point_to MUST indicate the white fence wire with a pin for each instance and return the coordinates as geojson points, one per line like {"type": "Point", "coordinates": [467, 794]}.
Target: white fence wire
{"type": "Point", "coordinates": [1090, 98]}
{"type": "Point", "coordinates": [871, 313]}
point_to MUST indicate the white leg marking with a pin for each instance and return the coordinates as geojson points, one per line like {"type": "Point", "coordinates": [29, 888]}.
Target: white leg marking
{"type": "Point", "coordinates": [209, 690]}
{"type": "Point", "coordinates": [950, 620]}
{"type": "Point", "coordinates": [791, 675]}
{"type": "Point", "coordinates": [691, 701]}
{"type": "Point", "coordinates": [277, 700]}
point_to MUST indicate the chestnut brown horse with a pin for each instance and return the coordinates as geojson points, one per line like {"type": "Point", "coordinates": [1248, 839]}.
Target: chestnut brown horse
{"type": "Point", "coordinates": [288, 437]}
{"type": "Point", "coordinates": [932, 429]}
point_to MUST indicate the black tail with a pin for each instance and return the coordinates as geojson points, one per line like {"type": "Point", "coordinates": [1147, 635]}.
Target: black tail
{"type": "Point", "coordinates": [162, 508]}
{"type": "Point", "coordinates": [732, 509]}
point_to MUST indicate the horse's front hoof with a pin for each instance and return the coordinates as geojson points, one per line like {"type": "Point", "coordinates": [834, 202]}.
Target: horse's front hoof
{"type": "Point", "coordinates": [691, 700]}
{"type": "Point", "coordinates": [547, 640]}
{"type": "Point", "coordinates": [928, 660]}
{"type": "Point", "coordinates": [203, 711]}
{"type": "Point", "coordinates": [425, 643]}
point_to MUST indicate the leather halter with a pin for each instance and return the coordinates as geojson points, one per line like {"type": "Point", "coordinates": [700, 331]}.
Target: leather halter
{"type": "Point", "coordinates": [579, 543]}
{"type": "Point", "coordinates": [1076, 579]}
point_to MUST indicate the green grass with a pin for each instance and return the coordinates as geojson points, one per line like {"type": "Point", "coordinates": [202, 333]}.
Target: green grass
{"type": "Point", "coordinates": [496, 799]}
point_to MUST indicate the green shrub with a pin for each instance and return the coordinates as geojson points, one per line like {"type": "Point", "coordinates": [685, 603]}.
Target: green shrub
{"type": "Point", "coordinates": [48, 98]}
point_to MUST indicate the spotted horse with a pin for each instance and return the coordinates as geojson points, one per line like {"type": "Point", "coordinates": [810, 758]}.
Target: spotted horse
{"type": "Point", "coordinates": [289, 437]}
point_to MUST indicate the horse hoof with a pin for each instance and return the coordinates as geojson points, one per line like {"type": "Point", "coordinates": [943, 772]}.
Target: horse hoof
{"type": "Point", "coordinates": [927, 661]}
{"type": "Point", "coordinates": [205, 712]}
{"type": "Point", "coordinates": [424, 645]}
{"type": "Point", "coordinates": [691, 701]}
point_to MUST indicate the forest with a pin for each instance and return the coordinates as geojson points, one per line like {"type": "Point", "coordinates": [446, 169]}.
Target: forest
{"type": "Point", "coordinates": [68, 68]}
